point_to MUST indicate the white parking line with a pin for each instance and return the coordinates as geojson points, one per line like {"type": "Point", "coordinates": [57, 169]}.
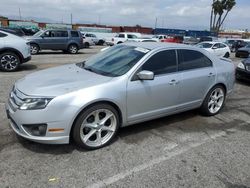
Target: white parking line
{"type": "Point", "coordinates": [149, 164]}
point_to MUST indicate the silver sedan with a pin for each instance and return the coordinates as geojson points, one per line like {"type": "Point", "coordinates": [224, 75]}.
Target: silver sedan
{"type": "Point", "coordinates": [123, 85]}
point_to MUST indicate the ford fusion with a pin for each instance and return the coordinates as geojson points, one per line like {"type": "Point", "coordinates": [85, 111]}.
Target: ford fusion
{"type": "Point", "coordinates": [121, 86]}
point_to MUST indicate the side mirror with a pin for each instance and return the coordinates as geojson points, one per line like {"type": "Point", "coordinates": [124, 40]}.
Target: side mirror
{"type": "Point", "coordinates": [146, 75]}
{"type": "Point", "coordinates": [214, 48]}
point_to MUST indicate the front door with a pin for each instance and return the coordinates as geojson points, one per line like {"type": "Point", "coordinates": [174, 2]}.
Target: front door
{"type": "Point", "coordinates": [147, 99]}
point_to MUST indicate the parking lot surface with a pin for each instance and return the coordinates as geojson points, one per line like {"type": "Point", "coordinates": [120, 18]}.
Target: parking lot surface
{"type": "Point", "coordinates": [184, 150]}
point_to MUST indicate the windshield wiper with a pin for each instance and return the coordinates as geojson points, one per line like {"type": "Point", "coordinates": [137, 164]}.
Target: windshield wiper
{"type": "Point", "coordinates": [89, 69]}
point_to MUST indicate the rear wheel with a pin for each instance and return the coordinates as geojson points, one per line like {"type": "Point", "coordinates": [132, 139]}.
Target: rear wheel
{"type": "Point", "coordinates": [86, 45]}
{"type": "Point", "coordinates": [9, 61]}
{"type": "Point", "coordinates": [214, 101]}
{"type": "Point", "coordinates": [227, 55]}
{"type": "Point", "coordinates": [96, 126]}
{"type": "Point", "coordinates": [73, 49]}
{"type": "Point", "coordinates": [34, 49]}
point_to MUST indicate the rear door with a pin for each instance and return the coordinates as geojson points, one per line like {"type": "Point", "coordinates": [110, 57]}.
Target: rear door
{"type": "Point", "coordinates": [197, 76]}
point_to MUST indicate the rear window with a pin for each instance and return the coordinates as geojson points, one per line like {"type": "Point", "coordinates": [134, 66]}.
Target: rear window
{"type": "Point", "coordinates": [74, 34]}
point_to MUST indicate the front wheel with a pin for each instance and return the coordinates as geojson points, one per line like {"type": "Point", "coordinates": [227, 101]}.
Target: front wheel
{"type": "Point", "coordinates": [34, 49]}
{"type": "Point", "coordinates": [9, 62]}
{"type": "Point", "coordinates": [214, 101]}
{"type": "Point", "coordinates": [73, 49]}
{"type": "Point", "coordinates": [96, 126]}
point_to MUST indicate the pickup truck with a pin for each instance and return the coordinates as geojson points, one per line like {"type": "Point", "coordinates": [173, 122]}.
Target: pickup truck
{"type": "Point", "coordinates": [124, 37]}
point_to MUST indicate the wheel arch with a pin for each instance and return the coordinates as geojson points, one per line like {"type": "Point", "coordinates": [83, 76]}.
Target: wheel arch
{"type": "Point", "coordinates": [35, 44]}
{"type": "Point", "coordinates": [73, 43]}
{"type": "Point", "coordinates": [115, 106]}
{"type": "Point", "coordinates": [19, 54]}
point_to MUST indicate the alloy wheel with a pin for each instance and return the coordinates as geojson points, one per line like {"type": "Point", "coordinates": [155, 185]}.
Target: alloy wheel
{"type": "Point", "coordinates": [33, 49]}
{"type": "Point", "coordinates": [98, 127]}
{"type": "Point", "coordinates": [216, 100]}
{"type": "Point", "coordinates": [9, 62]}
{"type": "Point", "coordinates": [73, 49]}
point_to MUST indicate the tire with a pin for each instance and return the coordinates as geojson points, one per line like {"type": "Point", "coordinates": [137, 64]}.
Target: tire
{"type": "Point", "coordinates": [214, 101]}
{"type": "Point", "coordinates": [73, 49]}
{"type": "Point", "coordinates": [86, 45]}
{"type": "Point", "coordinates": [227, 55]}
{"type": "Point", "coordinates": [92, 131]}
{"type": "Point", "coordinates": [100, 42]}
{"type": "Point", "coordinates": [34, 49]}
{"type": "Point", "coordinates": [9, 61]}
{"type": "Point", "coordinates": [119, 42]}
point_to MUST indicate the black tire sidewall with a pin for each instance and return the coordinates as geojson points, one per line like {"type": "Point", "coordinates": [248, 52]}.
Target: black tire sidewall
{"type": "Point", "coordinates": [74, 46]}
{"type": "Point", "coordinates": [204, 107]}
{"type": "Point", "coordinates": [77, 125]}
{"type": "Point", "coordinates": [38, 49]}
{"type": "Point", "coordinates": [13, 54]}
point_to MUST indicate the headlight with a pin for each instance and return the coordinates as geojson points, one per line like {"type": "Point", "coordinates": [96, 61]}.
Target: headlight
{"type": "Point", "coordinates": [35, 103]}
{"type": "Point", "coordinates": [241, 66]}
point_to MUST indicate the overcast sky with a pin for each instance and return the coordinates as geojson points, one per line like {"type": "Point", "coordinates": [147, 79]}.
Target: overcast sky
{"type": "Point", "coordinates": [183, 14]}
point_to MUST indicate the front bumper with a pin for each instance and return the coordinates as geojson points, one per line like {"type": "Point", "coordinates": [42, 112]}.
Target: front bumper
{"type": "Point", "coordinates": [19, 117]}
{"type": "Point", "coordinates": [242, 74]}
{"type": "Point", "coordinates": [26, 59]}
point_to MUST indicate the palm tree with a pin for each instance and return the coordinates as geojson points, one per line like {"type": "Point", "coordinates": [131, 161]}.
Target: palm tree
{"type": "Point", "coordinates": [219, 7]}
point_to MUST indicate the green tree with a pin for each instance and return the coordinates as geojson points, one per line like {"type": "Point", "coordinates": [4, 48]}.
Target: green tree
{"type": "Point", "coordinates": [219, 12]}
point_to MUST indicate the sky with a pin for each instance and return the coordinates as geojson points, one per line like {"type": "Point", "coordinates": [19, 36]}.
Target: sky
{"type": "Point", "coordinates": [178, 14]}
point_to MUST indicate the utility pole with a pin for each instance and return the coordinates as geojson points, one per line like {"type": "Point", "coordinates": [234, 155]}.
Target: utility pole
{"type": "Point", "coordinates": [20, 17]}
{"type": "Point", "coordinates": [155, 22]}
{"type": "Point", "coordinates": [71, 18]}
{"type": "Point", "coordinates": [99, 19]}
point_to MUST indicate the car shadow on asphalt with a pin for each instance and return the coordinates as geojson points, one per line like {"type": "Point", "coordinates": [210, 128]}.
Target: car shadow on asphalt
{"type": "Point", "coordinates": [134, 134]}
{"type": "Point", "coordinates": [243, 82]}
{"type": "Point", "coordinates": [56, 52]}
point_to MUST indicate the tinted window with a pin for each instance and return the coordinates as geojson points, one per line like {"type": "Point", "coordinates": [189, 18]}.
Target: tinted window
{"type": "Point", "coordinates": [190, 59]}
{"type": "Point", "coordinates": [161, 63]}
{"type": "Point", "coordinates": [222, 45]}
{"type": "Point", "coordinates": [59, 34]}
{"type": "Point", "coordinates": [74, 34]}
{"type": "Point", "coordinates": [131, 36]}
{"type": "Point", "coordinates": [121, 36]}
{"type": "Point", "coordinates": [217, 45]}
{"type": "Point", "coordinates": [2, 35]}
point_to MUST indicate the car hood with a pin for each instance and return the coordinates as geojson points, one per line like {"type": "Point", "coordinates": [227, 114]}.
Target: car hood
{"type": "Point", "coordinates": [59, 80]}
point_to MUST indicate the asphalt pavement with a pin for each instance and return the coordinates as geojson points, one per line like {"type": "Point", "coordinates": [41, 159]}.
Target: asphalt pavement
{"type": "Point", "coordinates": [183, 150]}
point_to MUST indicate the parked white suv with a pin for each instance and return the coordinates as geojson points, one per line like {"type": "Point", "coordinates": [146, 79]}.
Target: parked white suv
{"type": "Point", "coordinates": [14, 51]}
{"type": "Point", "coordinates": [97, 40]}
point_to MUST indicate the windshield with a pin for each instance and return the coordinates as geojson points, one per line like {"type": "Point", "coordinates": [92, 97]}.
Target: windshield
{"type": "Point", "coordinates": [205, 45]}
{"type": "Point", "coordinates": [38, 33]}
{"type": "Point", "coordinates": [115, 61]}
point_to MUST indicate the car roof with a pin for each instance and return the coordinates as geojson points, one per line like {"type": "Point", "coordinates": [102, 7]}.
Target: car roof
{"type": "Point", "coordinates": [156, 45]}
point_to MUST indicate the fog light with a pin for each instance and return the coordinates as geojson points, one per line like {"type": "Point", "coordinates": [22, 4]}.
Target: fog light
{"type": "Point", "coordinates": [36, 129]}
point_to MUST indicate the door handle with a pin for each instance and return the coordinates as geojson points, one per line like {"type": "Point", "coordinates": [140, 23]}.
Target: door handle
{"type": "Point", "coordinates": [211, 74]}
{"type": "Point", "coordinates": [173, 82]}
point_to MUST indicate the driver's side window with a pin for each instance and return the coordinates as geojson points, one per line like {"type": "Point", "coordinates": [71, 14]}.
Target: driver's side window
{"type": "Point", "coordinates": [162, 62]}
{"type": "Point", "coordinates": [47, 34]}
